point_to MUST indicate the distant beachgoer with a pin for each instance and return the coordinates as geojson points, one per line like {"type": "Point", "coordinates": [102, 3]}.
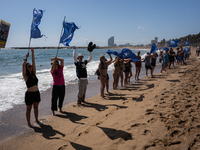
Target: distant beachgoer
{"type": "Point", "coordinates": [153, 62]}
{"type": "Point", "coordinates": [166, 56]}
{"type": "Point", "coordinates": [138, 65]}
{"type": "Point", "coordinates": [81, 74]}
{"type": "Point", "coordinates": [198, 50]}
{"type": "Point", "coordinates": [178, 57]}
{"type": "Point", "coordinates": [121, 68]}
{"type": "Point", "coordinates": [127, 70]}
{"type": "Point", "coordinates": [130, 73]}
{"type": "Point", "coordinates": [148, 64]}
{"type": "Point", "coordinates": [103, 65]}
{"type": "Point", "coordinates": [162, 61]}
{"type": "Point", "coordinates": [187, 54]}
{"type": "Point", "coordinates": [116, 72]}
{"type": "Point", "coordinates": [171, 57]}
{"type": "Point", "coordinates": [58, 91]}
{"type": "Point", "coordinates": [32, 95]}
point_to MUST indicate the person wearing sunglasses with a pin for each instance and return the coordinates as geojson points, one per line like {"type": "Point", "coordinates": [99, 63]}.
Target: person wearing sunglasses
{"type": "Point", "coordinates": [32, 95]}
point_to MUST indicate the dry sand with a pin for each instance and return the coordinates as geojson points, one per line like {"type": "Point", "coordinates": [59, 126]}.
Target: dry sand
{"type": "Point", "coordinates": [156, 113]}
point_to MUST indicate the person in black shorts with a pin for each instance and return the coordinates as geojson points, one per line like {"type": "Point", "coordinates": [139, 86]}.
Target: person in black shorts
{"type": "Point", "coordinates": [147, 61]}
{"type": "Point", "coordinates": [32, 95]}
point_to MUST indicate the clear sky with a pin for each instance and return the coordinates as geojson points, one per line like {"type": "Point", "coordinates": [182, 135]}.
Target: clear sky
{"type": "Point", "coordinates": [129, 21]}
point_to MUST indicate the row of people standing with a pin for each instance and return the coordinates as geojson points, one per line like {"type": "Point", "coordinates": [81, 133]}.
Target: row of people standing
{"type": "Point", "coordinates": [32, 95]}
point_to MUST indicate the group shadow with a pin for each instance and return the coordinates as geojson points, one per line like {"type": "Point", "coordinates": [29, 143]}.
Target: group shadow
{"type": "Point", "coordinates": [100, 107]}
{"type": "Point", "coordinates": [47, 131]}
{"type": "Point", "coordinates": [72, 117]}
{"type": "Point", "coordinates": [114, 134]}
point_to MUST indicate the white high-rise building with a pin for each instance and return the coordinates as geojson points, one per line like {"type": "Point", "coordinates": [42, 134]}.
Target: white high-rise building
{"type": "Point", "coordinates": [111, 41]}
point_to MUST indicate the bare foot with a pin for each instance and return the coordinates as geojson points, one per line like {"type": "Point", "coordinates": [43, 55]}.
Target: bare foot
{"type": "Point", "coordinates": [53, 113]}
{"type": "Point", "coordinates": [38, 122]}
{"type": "Point", "coordinates": [30, 125]}
{"type": "Point", "coordinates": [60, 110]}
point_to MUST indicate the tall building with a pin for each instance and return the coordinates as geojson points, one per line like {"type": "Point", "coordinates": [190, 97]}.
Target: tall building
{"type": "Point", "coordinates": [111, 41]}
{"type": "Point", "coordinates": [155, 41]}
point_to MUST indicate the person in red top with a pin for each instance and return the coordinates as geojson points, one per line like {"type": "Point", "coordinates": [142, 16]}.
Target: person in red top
{"type": "Point", "coordinates": [138, 65]}
{"type": "Point", "coordinates": [58, 90]}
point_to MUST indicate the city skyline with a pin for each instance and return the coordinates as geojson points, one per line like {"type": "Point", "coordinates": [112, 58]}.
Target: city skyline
{"type": "Point", "coordinates": [134, 22]}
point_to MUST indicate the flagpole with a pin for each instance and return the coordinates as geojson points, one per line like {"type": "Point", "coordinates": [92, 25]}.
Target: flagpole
{"type": "Point", "coordinates": [59, 39]}
{"type": "Point", "coordinates": [30, 35]}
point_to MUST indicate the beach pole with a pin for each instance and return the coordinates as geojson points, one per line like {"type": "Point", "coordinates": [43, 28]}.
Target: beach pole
{"type": "Point", "coordinates": [59, 39]}
{"type": "Point", "coordinates": [30, 35]}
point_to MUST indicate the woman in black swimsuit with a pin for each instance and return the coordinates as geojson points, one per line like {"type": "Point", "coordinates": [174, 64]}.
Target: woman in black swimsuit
{"type": "Point", "coordinates": [32, 95]}
{"type": "Point", "coordinates": [103, 65]}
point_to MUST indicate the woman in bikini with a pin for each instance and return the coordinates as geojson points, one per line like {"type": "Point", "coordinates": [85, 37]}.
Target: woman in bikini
{"type": "Point", "coordinates": [32, 95]}
{"type": "Point", "coordinates": [103, 72]}
{"type": "Point", "coordinates": [116, 72]}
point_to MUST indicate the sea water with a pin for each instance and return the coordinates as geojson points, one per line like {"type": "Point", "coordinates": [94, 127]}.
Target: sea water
{"type": "Point", "coordinates": [12, 84]}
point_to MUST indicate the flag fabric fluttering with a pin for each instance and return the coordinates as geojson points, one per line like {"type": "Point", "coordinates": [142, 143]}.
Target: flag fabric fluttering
{"type": "Point", "coordinates": [165, 48]}
{"type": "Point", "coordinates": [187, 43]}
{"type": "Point", "coordinates": [173, 43]}
{"type": "Point", "coordinates": [37, 16]}
{"type": "Point", "coordinates": [124, 54]}
{"type": "Point", "coordinates": [68, 33]}
{"type": "Point", "coordinates": [153, 48]}
{"type": "Point", "coordinates": [113, 52]}
{"type": "Point", "coordinates": [186, 50]}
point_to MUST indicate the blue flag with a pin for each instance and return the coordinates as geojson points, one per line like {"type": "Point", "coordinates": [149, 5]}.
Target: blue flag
{"type": "Point", "coordinates": [113, 52]}
{"type": "Point", "coordinates": [165, 48]}
{"type": "Point", "coordinates": [186, 50]}
{"type": "Point", "coordinates": [68, 33]}
{"type": "Point", "coordinates": [153, 48]}
{"type": "Point", "coordinates": [35, 31]}
{"type": "Point", "coordinates": [173, 43]}
{"type": "Point", "coordinates": [187, 43]}
{"type": "Point", "coordinates": [125, 54]}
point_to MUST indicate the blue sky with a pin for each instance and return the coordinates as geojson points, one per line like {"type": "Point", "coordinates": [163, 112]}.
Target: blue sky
{"type": "Point", "coordinates": [129, 21]}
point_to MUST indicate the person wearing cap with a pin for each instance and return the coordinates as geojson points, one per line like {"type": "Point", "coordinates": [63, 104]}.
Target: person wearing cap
{"type": "Point", "coordinates": [81, 73]}
{"type": "Point", "coordinates": [103, 65]}
{"type": "Point", "coordinates": [58, 90]}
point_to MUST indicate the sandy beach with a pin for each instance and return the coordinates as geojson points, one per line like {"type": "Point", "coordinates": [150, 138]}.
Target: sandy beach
{"type": "Point", "coordinates": [156, 113]}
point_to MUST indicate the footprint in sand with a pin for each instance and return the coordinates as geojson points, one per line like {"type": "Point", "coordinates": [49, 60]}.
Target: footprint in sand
{"type": "Point", "coordinates": [152, 120]}
{"type": "Point", "coordinates": [146, 132]}
{"type": "Point", "coordinates": [149, 111]}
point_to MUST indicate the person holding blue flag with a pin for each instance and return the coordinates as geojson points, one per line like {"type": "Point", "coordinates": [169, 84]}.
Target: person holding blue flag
{"type": "Point", "coordinates": [103, 66]}
{"type": "Point", "coordinates": [58, 91]}
{"type": "Point", "coordinates": [32, 95]}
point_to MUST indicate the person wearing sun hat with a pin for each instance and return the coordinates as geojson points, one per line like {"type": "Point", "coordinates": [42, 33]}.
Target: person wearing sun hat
{"type": "Point", "coordinates": [81, 71]}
